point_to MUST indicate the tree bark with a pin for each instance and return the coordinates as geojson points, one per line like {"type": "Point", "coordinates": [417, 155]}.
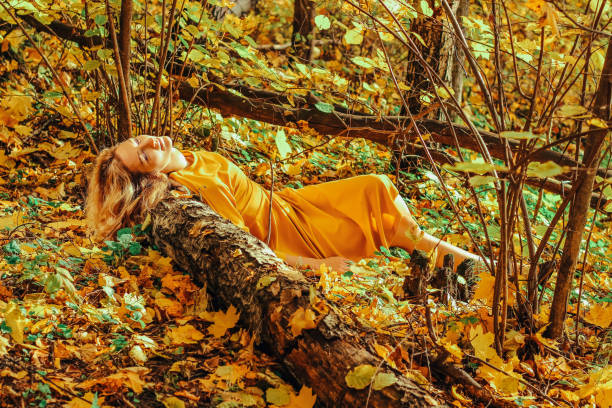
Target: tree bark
{"type": "Point", "coordinates": [429, 29]}
{"type": "Point", "coordinates": [452, 56]}
{"type": "Point", "coordinates": [123, 63]}
{"type": "Point", "coordinates": [303, 29]}
{"type": "Point", "coordinates": [580, 204]}
{"type": "Point", "coordinates": [233, 263]}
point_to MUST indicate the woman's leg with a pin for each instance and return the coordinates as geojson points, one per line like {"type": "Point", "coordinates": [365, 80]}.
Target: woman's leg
{"type": "Point", "coordinates": [410, 236]}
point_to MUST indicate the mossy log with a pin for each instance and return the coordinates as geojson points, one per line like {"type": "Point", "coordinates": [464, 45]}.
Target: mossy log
{"type": "Point", "coordinates": [235, 265]}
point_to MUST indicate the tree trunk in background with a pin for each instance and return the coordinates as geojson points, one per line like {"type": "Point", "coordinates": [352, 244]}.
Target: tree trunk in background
{"type": "Point", "coordinates": [580, 204]}
{"type": "Point", "coordinates": [441, 53]}
{"type": "Point", "coordinates": [452, 57]}
{"type": "Point", "coordinates": [430, 30]}
{"type": "Point", "coordinates": [303, 29]}
{"type": "Point", "coordinates": [242, 271]}
{"type": "Point", "coordinates": [125, 52]}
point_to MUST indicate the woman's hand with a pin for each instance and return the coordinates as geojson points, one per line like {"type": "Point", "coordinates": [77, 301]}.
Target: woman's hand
{"type": "Point", "coordinates": [336, 263]}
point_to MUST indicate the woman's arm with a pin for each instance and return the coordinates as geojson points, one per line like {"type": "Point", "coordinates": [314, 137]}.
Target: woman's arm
{"type": "Point", "coordinates": [337, 263]}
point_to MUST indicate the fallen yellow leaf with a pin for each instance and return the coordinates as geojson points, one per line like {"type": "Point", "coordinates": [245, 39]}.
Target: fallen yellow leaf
{"type": "Point", "coordinates": [600, 314]}
{"type": "Point", "coordinates": [305, 399]}
{"type": "Point", "coordinates": [222, 321]}
{"type": "Point", "coordinates": [186, 334]}
{"type": "Point", "coordinates": [302, 319]}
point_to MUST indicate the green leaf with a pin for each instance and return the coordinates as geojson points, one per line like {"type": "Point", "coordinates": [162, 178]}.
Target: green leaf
{"type": "Point", "coordinates": [104, 53]}
{"type": "Point", "coordinates": [572, 110]}
{"type": "Point", "coordinates": [278, 396]}
{"type": "Point", "coordinates": [322, 22]}
{"type": "Point", "coordinates": [383, 380]}
{"type": "Point", "coordinates": [360, 377]}
{"type": "Point", "coordinates": [302, 68]}
{"type": "Point", "coordinates": [472, 167]}
{"type": "Point", "coordinates": [353, 36]}
{"type": "Point", "coordinates": [281, 144]}
{"type": "Point", "coordinates": [425, 8]}
{"type": "Point", "coordinates": [193, 30]}
{"type": "Point", "coordinates": [101, 19]}
{"type": "Point", "coordinates": [52, 94]}
{"type": "Point", "coordinates": [546, 169]}
{"type": "Point", "coordinates": [476, 181]}
{"type": "Point", "coordinates": [518, 135]}
{"type": "Point", "coordinates": [91, 65]}
{"type": "Point", "coordinates": [364, 62]}
{"type": "Point", "coordinates": [196, 55]}
{"type": "Point", "coordinates": [324, 107]}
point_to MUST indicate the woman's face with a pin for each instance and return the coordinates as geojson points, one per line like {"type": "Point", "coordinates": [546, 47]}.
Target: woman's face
{"type": "Point", "coordinates": [145, 154]}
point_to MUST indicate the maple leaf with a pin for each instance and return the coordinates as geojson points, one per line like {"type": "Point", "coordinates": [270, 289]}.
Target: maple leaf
{"type": "Point", "coordinates": [182, 286]}
{"type": "Point", "coordinates": [482, 343]}
{"type": "Point", "coordinates": [600, 314]}
{"type": "Point", "coordinates": [222, 321]}
{"type": "Point", "coordinates": [305, 399]}
{"type": "Point", "coordinates": [186, 334]}
{"type": "Point", "coordinates": [599, 386]}
{"type": "Point", "coordinates": [231, 373]}
{"type": "Point", "coordinates": [130, 377]}
{"type": "Point", "coordinates": [302, 319]}
{"type": "Point", "coordinates": [86, 401]}
{"type": "Point", "coordinates": [484, 289]}
{"type": "Point", "coordinates": [170, 306]}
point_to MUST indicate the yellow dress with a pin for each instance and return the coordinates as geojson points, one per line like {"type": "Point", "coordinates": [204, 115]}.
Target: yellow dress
{"type": "Point", "coordinates": [351, 217]}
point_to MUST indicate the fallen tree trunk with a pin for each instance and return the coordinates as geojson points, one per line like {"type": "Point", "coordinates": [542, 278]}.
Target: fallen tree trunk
{"type": "Point", "coordinates": [234, 265]}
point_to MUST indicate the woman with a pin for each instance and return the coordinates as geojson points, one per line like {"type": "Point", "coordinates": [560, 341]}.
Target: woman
{"type": "Point", "coordinates": [330, 223]}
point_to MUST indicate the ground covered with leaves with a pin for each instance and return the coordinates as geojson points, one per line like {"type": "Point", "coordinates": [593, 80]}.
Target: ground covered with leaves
{"type": "Point", "coordinates": [116, 325]}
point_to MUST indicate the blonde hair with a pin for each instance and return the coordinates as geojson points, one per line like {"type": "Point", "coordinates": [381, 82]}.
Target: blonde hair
{"type": "Point", "coordinates": [117, 198]}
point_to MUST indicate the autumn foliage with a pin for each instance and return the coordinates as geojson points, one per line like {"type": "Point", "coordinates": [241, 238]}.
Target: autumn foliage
{"type": "Point", "coordinates": [492, 119]}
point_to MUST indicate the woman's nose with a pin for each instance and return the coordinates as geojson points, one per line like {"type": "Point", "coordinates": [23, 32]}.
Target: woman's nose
{"type": "Point", "coordinates": [151, 141]}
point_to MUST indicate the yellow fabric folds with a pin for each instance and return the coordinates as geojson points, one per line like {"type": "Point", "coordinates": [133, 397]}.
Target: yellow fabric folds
{"type": "Point", "coordinates": [351, 217]}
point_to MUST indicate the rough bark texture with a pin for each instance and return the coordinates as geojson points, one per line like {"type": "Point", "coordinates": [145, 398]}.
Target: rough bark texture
{"type": "Point", "coordinates": [430, 30]}
{"type": "Point", "coordinates": [123, 51]}
{"type": "Point", "coordinates": [125, 38]}
{"type": "Point", "coordinates": [303, 29]}
{"type": "Point", "coordinates": [452, 56]}
{"type": "Point", "coordinates": [580, 204]}
{"type": "Point", "coordinates": [232, 263]}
